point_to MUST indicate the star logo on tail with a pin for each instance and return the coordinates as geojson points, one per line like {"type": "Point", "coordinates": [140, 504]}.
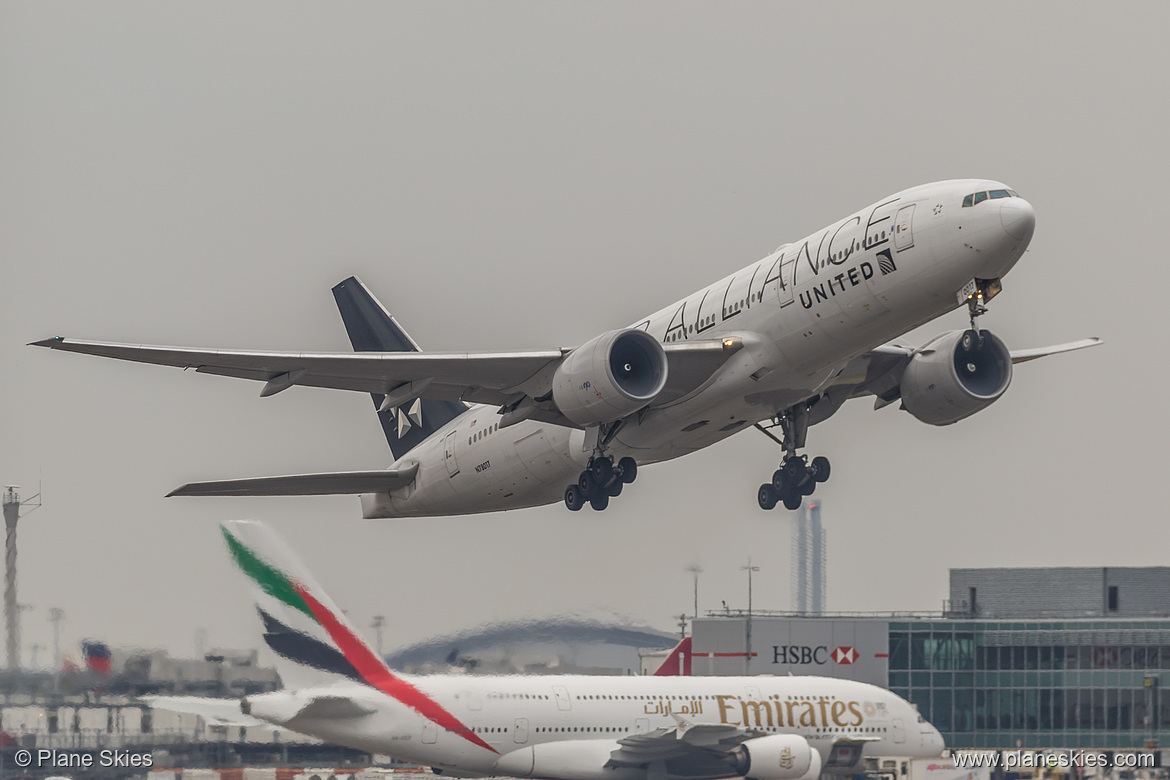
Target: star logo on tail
{"type": "Point", "coordinates": [409, 417]}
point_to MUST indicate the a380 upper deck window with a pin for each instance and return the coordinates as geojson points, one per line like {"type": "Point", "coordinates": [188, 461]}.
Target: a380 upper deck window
{"type": "Point", "coordinates": [978, 197]}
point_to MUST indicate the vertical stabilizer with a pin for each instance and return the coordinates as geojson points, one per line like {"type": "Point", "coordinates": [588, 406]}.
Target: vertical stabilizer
{"type": "Point", "coordinates": [678, 663]}
{"type": "Point", "coordinates": [314, 640]}
{"type": "Point", "coordinates": [291, 605]}
{"type": "Point", "coordinates": [372, 329]}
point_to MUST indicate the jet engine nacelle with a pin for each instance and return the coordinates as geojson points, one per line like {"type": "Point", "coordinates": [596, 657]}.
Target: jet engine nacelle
{"type": "Point", "coordinates": [955, 375]}
{"type": "Point", "coordinates": [611, 376]}
{"type": "Point", "coordinates": [777, 757]}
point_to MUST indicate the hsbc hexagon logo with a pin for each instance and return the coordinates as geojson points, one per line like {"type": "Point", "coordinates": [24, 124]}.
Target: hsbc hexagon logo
{"type": "Point", "coordinates": [844, 655]}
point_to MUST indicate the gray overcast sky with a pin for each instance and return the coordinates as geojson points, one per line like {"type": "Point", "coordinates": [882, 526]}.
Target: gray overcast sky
{"type": "Point", "coordinates": [530, 175]}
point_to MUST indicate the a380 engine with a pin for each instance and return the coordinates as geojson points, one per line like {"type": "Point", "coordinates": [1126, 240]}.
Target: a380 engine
{"type": "Point", "coordinates": [611, 376]}
{"type": "Point", "coordinates": [777, 757]}
{"type": "Point", "coordinates": [955, 375]}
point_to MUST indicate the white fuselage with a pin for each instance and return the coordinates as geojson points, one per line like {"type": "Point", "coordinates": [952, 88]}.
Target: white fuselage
{"type": "Point", "coordinates": [801, 313]}
{"type": "Point", "coordinates": [504, 715]}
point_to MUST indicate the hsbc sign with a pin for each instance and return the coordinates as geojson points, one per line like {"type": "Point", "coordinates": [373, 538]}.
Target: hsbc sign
{"type": "Point", "coordinates": [799, 654]}
{"type": "Point", "coordinates": [845, 648]}
{"type": "Point", "coordinates": [817, 655]}
{"type": "Point", "coordinates": [845, 655]}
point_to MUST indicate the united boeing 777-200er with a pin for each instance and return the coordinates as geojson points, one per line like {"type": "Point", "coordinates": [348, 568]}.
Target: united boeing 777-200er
{"type": "Point", "coordinates": [779, 345]}
{"type": "Point", "coordinates": [546, 726]}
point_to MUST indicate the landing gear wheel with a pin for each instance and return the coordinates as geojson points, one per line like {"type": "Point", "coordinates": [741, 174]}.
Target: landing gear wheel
{"type": "Point", "coordinates": [779, 482]}
{"type": "Point", "coordinates": [602, 469]}
{"type": "Point", "coordinates": [793, 500]}
{"type": "Point", "coordinates": [767, 497]}
{"type": "Point", "coordinates": [628, 469]}
{"type": "Point", "coordinates": [820, 468]}
{"type": "Point", "coordinates": [599, 502]}
{"type": "Point", "coordinates": [796, 472]}
{"type": "Point", "coordinates": [615, 488]}
{"type": "Point", "coordinates": [574, 498]}
{"type": "Point", "coordinates": [808, 487]}
{"type": "Point", "coordinates": [587, 483]}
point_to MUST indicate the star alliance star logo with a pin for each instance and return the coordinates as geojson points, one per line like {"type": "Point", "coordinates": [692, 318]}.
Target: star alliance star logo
{"type": "Point", "coordinates": [408, 418]}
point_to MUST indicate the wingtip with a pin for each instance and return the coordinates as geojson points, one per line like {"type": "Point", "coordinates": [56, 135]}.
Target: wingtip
{"type": "Point", "coordinates": [50, 343]}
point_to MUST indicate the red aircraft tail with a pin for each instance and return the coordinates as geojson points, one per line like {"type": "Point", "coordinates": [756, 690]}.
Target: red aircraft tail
{"type": "Point", "coordinates": [678, 663]}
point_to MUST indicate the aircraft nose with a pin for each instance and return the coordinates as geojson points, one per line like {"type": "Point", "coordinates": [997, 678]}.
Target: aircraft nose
{"type": "Point", "coordinates": [1018, 218]}
{"type": "Point", "coordinates": [937, 743]}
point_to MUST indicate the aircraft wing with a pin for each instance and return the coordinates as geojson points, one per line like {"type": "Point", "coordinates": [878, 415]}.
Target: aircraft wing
{"type": "Point", "coordinates": [477, 377]}
{"type": "Point", "coordinates": [331, 484]}
{"type": "Point", "coordinates": [218, 712]}
{"type": "Point", "coordinates": [879, 371]}
{"type": "Point", "coordinates": [697, 743]}
{"type": "Point", "coordinates": [1024, 355]}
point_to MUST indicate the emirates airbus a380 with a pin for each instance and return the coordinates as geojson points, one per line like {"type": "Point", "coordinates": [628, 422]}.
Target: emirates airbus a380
{"type": "Point", "coordinates": [546, 726]}
{"type": "Point", "coordinates": [778, 345]}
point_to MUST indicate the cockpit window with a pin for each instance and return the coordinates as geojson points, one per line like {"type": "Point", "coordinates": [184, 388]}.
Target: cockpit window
{"type": "Point", "coordinates": [976, 198]}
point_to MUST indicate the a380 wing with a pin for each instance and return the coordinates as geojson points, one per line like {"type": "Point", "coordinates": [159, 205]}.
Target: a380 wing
{"type": "Point", "coordinates": [475, 377]}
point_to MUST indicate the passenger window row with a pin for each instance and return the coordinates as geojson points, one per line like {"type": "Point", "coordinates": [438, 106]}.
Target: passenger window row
{"type": "Point", "coordinates": [477, 436]}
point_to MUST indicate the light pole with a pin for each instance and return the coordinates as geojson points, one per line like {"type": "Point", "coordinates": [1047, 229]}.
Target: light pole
{"type": "Point", "coordinates": [695, 569]}
{"type": "Point", "coordinates": [748, 660]}
{"type": "Point", "coordinates": [56, 615]}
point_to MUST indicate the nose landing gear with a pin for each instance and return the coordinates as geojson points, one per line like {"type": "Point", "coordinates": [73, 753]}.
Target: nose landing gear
{"type": "Point", "coordinates": [796, 477]}
{"type": "Point", "coordinates": [601, 480]}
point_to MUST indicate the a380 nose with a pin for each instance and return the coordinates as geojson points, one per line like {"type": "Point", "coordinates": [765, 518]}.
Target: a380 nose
{"type": "Point", "coordinates": [1018, 218]}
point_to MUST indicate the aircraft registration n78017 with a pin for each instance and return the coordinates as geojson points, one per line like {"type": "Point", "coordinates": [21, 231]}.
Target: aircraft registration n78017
{"type": "Point", "coordinates": [779, 345]}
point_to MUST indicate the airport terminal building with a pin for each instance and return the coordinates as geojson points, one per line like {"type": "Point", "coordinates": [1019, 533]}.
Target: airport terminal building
{"type": "Point", "coordinates": [1063, 657]}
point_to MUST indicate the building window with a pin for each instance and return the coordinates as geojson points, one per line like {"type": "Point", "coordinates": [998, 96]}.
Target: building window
{"type": "Point", "coordinates": [1112, 598]}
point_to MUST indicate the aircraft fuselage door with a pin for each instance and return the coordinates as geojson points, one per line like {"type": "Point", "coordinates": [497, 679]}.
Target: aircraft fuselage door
{"type": "Point", "coordinates": [642, 726]}
{"type": "Point", "coordinates": [903, 228]}
{"type": "Point", "coordinates": [562, 695]}
{"type": "Point", "coordinates": [787, 278]}
{"type": "Point", "coordinates": [449, 454]}
{"type": "Point", "coordinates": [899, 731]}
{"type": "Point", "coordinates": [520, 731]}
{"type": "Point", "coordinates": [430, 733]}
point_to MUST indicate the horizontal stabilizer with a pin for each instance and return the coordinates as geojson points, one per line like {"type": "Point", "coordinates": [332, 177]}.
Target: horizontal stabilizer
{"type": "Point", "coordinates": [331, 484]}
{"type": "Point", "coordinates": [334, 707]}
{"type": "Point", "coordinates": [217, 712]}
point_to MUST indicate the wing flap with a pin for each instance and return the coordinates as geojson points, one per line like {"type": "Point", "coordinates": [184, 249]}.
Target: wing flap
{"type": "Point", "coordinates": [328, 484]}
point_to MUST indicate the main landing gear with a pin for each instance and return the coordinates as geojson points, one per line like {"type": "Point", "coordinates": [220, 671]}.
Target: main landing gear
{"type": "Point", "coordinates": [796, 477]}
{"type": "Point", "coordinates": [599, 482]}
